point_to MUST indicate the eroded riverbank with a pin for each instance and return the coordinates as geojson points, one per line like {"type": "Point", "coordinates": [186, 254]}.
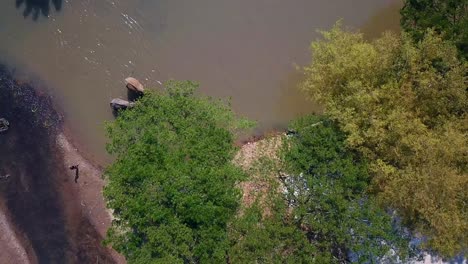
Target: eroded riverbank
{"type": "Point", "coordinates": [47, 211]}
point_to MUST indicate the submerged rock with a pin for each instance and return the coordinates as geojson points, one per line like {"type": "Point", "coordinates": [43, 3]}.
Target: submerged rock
{"type": "Point", "coordinates": [134, 85]}
{"type": "Point", "coordinates": [4, 125]}
{"type": "Point", "coordinates": [118, 104]}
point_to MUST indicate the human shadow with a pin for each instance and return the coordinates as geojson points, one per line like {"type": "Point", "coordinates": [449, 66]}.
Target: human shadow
{"type": "Point", "coordinates": [35, 8]}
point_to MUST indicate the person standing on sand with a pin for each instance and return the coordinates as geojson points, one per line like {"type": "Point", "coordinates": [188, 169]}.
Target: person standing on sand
{"type": "Point", "coordinates": [77, 172]}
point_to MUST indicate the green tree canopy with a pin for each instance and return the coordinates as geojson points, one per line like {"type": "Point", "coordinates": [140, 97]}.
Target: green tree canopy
{"type": "Point", "coordinates": [404, 107]}
{"type": "Point", "coordinates": [172, 187]}
{"type": "Point", "coordinates": [327, 189]}
{"type": "Point", "coordinates": [449, 17]}
{"type": "Point", "coordinates": [323, 213]}
{"type": "Point", "coordinates": [273, 238]}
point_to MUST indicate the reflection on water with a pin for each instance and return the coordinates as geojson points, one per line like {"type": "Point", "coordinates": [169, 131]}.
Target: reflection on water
{"type": "Point", "coordinates": [244, 49]}
{"type": "Point", "coordinates": [35, 8]}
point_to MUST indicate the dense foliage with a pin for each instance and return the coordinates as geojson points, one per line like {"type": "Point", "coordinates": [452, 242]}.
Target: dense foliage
{"type": "Point", "coordinates": [272, 238]}
{"type": "Point", "coordinates": [323, 214]}
{"type": "Point", "coordinates": [327, 190]}
{"type": "Point", "coordinates": [449, 17]}
{"type": "Point", "coordinates": [395, 137]}
{"type": "Point", "coordinates": [404, 107]}
{"type": "Point", "coordinates": [172, 188]}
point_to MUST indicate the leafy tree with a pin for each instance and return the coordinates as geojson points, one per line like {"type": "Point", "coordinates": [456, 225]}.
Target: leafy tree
{"type": "Point", "coordinates": [327, 191]}
{"type": "Point", "coordinates": [445, 16]}
{"type": "Point", "coordinates": [263, 232]}
{"type": "Point", "coordinates": [272, 238]}
{"type": "Point", "coordinates": [172, 187]}
{"type": "Point", "coordinates": [403, 106]}
{"type": "Point", "coordinates": [323, 214]}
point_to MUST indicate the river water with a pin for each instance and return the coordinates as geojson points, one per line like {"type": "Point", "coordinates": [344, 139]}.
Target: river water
{"type": "Point", "coordinates": [244, 49]}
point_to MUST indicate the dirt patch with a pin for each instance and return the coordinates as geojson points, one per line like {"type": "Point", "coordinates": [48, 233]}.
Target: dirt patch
{"type": "Point", "coordinates": [250, 157]}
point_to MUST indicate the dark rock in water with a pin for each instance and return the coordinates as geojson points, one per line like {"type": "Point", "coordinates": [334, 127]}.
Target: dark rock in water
{"type": "Point", "coordinates": [4, 125]}
{"type": "Point", "coordinates": [120, 104]}
{"type": "Point", "coordinates": [134, 85]}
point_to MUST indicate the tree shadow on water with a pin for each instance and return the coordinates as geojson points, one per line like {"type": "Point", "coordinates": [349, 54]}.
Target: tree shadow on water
{"type": "Point", "coordinates": [35, 8]}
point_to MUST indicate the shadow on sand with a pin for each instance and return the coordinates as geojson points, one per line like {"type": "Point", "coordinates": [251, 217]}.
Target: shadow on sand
{"type": "Point", "coordinates": [35, 8]}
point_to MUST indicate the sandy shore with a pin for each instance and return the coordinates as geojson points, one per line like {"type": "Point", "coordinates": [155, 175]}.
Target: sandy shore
{"type": "Point", "coordinates": [89, 188]}
{"type": "Point", "coordinates": [86, 215]}
{"type": "Point", "coordinates": [45, 217]}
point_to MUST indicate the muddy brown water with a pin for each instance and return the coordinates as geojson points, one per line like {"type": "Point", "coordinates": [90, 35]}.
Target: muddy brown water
{"type": "Point", "coordinates": [243, 49]}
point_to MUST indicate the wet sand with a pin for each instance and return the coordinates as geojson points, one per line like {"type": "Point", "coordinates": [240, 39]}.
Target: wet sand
{"type": "Point", "coordinates": [44, 214]}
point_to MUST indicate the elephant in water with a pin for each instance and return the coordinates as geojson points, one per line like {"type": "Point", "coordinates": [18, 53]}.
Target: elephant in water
{"type": "Point", "coordinates": [134, 85]}
{"type": "Point", "coordinates": [118, 104]}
